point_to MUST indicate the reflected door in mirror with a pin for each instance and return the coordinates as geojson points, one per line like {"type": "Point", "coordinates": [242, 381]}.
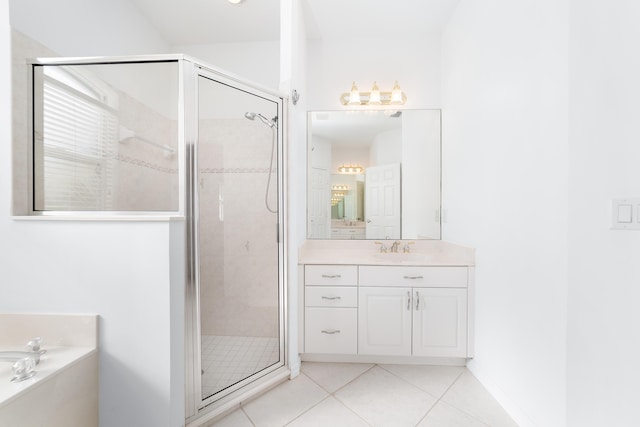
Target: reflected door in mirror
{"type": "Point", "coordinates": [382, 197]}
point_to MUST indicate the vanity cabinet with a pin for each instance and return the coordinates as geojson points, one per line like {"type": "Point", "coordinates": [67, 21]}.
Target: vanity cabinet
{"type": "Point", "coordinates": [331, 309]}
{"type": "Point", "coordinates": [381, 310]}
{"type": "Point", "coordinates": [347, 233]}
{"type": "Point", "coordinates": [412, 322]}
{"type": "Point", "coordinates": [419, 311]}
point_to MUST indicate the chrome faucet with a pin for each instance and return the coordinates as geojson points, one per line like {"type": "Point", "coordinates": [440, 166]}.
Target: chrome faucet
{"type": "Point", "coordinates": [394, 247]}
{"type": "Point", "coordinates": [34, 351]}
{"type": "Point", "coordinates": [406, 249]}
{"type": "Point", "coordinates": [383, 247]}
{"type": "Point", "coordinates": [14, 356]}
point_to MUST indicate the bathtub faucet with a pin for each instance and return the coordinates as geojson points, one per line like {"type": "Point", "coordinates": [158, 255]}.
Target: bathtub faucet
{"type": "Point", "coordinates": [34, 351]}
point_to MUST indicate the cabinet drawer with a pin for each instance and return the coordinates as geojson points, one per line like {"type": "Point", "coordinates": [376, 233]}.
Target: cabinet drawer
{"type": "Point", "coordinates": [331, 296]}
{"type": "Point", "coordinates": [433, 277]}
{"type": "Point", "coordinates": [330, 275]}
{"type": "Point", "coordinates": [331, 330]}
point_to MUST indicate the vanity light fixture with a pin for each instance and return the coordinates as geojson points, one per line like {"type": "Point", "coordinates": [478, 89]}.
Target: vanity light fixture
{"type": "Point", "coordinates": [375, 97]}
{"type": "Point", "coordinates": [236, 1]}
{"type": "Point", "coordinates": [350, 169]}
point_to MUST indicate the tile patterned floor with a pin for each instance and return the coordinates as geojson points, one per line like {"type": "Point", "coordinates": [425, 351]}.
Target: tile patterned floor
{"type": "Point", "coordinates": [361, 395]}
{"type": "Point", "coordinates": [227, 360]}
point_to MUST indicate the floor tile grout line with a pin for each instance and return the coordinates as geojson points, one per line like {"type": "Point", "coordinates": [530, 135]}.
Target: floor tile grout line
{"type": "Point", "coordinates": [247, 415]}
{"type": "Point", "coordinates": [419, 388]}
{"type": "Point", "coordinates": [332, 394]}
{"type": "Point", "coordinates": [358, 376]}
{"type": "Point", "coordinates": [351, 410]}
{"type": "Point", "coordinates": [440, 398]}
{"type": "Point", "coordinates": [460, 409]}
{"type": "Point", "coordinates": [308, 409]}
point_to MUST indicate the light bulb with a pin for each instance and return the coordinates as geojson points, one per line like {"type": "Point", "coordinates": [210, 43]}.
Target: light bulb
{"type": "Point", "coordinates": [396, 94]}
{"type": "Point", "coordinates": [354, 96]}
{"type": "Point", "coordinates": [374, 98]}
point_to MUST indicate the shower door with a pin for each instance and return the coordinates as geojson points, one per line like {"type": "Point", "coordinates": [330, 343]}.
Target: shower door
{"type": "Point", "coordinates": [237, 209]}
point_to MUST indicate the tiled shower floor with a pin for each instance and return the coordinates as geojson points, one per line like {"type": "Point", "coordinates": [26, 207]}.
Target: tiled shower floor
{"type": "Point", "coordinates": [227, 360]}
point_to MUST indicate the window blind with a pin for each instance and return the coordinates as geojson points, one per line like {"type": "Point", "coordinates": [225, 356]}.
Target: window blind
{"type": "Point", "coordinates": [79, 138]}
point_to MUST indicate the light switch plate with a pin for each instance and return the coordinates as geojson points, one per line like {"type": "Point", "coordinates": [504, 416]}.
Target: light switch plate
{"type": "Point", "coordinates": [625, 214]}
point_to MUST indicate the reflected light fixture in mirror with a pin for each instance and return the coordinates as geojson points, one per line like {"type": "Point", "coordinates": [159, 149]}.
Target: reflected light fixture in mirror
{"type": "Point", "coordinates": [375, 97]}
{"type": "Point", "coordinates": [350, 169]}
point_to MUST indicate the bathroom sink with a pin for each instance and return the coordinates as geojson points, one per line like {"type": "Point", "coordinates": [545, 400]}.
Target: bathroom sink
{"type": "Point", "coordinates": [406, 258]}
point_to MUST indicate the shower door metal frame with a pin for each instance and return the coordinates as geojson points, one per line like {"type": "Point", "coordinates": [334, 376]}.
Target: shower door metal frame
{"type": "Point", "coordinates": [196, 407]}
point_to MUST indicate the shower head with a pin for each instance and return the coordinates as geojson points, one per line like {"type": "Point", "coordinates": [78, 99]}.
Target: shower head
{"type": "Point", "coordinates": [263, 119]}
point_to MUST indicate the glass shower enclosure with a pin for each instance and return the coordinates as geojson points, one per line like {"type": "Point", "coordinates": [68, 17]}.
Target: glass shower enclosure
{"type": "Point", "coordinates": [166, 135]}
{"type": "Point", "coordinates": [238, 245]}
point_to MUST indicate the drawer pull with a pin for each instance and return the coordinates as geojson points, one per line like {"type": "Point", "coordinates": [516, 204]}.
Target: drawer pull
{"type": "Point", "coordinates": [413, 277]}
{"type": "Point", "coordinates": [331, 276]}
{"type": "Point", "coordinates": [331, 298]}
{"type": "Point", "coordinates": [330, 331]}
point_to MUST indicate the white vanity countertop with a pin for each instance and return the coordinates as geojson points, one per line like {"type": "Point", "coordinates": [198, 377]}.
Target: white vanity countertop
{"type": "Point", "coordinates": [366, 252]}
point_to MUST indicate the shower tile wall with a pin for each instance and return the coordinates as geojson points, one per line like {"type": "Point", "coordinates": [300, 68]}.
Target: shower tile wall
{"type": "Point", "coordinates": [22, 47]}
{"type": "Point", "coordinates": [147, 176]}
{"type": "Point", "coordinates": [239, 265]}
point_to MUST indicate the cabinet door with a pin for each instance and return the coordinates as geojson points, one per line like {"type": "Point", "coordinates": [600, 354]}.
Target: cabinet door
{"type": "Point", "coordinates": [384, 321]}
{"type": "Point", "coordinates": [440, 322]}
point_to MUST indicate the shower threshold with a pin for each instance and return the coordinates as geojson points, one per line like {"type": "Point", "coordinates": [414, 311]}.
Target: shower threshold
{"type": "Point", "coordinates": [227, 360]}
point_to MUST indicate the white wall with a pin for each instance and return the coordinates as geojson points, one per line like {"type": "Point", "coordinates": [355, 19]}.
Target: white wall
{"type": "Point", "coordinates": [334, 64]}
{"type": "Point", "coordinates": [386, 148]}
{"type": "Point", "coordinates": [119, 270]}
{"type": "Point", "coordinates": [604, 146]}
{"type": "Point", "coordinates": [87, 27]}
{"type": "Point", "coordinates": [421, 174]}
{"type": "Point", "coordinates": [256, 61]}
{"type": "Point", "coordinates": [321, 153]}
{"type": "Point", "coordinates": [505, 159]}
{"type": "Point", "coordinates": [293, 76]}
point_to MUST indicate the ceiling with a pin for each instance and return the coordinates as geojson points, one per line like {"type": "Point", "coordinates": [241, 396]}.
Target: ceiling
{"type": "Point", "coordinates": [331, 19]}
{"type": "Point", "coordinates": [187, 22]}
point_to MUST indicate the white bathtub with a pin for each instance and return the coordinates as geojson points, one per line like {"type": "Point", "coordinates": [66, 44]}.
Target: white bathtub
{"type": "Point", "coordinates": [64, 391]}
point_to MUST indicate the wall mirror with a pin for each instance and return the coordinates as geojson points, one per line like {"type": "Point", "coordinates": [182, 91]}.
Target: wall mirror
{"type": "Point", "coordinates": [373, 174]}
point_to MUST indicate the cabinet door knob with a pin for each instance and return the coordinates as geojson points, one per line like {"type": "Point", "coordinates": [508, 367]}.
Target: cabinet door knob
{"type": "Point", "coordinates": [330, 331]}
